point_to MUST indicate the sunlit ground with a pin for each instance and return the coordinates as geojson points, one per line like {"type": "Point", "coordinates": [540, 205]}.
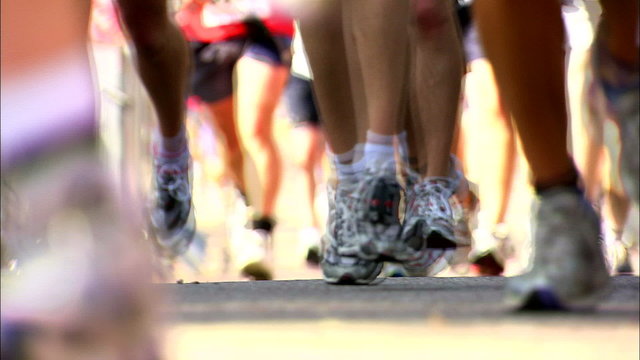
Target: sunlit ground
{"type": "Point", "coordinates": [432, 338]}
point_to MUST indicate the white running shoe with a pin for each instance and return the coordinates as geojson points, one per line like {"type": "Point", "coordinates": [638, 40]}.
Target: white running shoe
{"type": "Point", "coordinates": [172, 215]}
{"type": "Point", "coordinates": [378, 222]}
{"type": "Point", "coordinates": [435, 226]}
{"type": "Point", "coordinates": [341, 263]}
{"type": "Point", "coordinates": [252, 249]}
{"type": "Point", "coordinates": [569, 269]}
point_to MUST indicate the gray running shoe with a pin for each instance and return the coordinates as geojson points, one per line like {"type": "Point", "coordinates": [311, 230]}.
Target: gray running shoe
{"type": "Point", "coordinates": [435, 227]}
{"type": "Point", "coordinates": [341, 263]}
{"type": "Point", "coordinates": [569, 269]}
{"type": "Point", "coordinates": [378, 224]}
{"type": "Point", "coordinates": [172, 215]}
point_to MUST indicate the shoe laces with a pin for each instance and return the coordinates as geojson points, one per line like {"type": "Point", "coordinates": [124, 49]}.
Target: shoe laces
{"type": "Point", "coordinates": [431, 196]}
{"type": "Point", "coordinates": [173, 179]}
{"type": "Point", "coordinates": [345, 213]}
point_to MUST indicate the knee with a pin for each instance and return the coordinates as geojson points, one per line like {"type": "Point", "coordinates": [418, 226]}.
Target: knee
{"type": "Point", "coordinates": [431, 16]}
{"type": "Point", "coordinates": [263, 137]}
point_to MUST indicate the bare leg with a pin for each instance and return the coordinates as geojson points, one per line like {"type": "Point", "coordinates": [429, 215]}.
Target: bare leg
{"type": "Point", "coordinates": [619, 30]}
{"type": "Point", "coordinates": [162, 59]}
{"type": "Point", "coordinates": [309, 144]}
{"type": "Point", "coordinates": [538, 102]}
{"type": "Point", "coordinates": [380, 30]}
{"type": "Point", "coordinates": [487, 108]}
{"type": "Point", "coordinates": [437, 83]}
{"type": "Point", "coordinates": [258, 92]}
{"type": "Point", "coordinates": [222, 116]}
{"type": "Point", "coordinates": [568, 265]}
{"type": "Point", "coordinates": [323, 37]}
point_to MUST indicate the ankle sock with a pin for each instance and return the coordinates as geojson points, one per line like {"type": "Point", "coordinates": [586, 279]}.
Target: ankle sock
{"type": "Point", "coordinates": [379, 151]}
{"type": "Point", "coordinates": [171, 147]}
{"type": "Point", "coordinates": [349, 164]}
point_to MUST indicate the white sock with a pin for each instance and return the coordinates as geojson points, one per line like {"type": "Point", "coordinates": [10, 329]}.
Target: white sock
{"type": "Point", "coordinates": [349, 164]}
{"type": "Point", "coordinates": [171, 147]}
{"type": "Point", "coordinates": [379, 151]}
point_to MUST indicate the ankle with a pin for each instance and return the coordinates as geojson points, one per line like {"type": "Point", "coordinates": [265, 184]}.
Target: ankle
{"type": "Point", "coordinates": [568, 181]}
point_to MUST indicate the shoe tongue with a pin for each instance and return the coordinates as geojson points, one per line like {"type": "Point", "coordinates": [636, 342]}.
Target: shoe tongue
{"type": "Point", "coordinates": [382, 168]}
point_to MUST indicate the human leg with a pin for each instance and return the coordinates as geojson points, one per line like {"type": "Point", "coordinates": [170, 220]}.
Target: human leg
{"type": "Point", "coordinates": [486, 107]}
{"type": "Point", "coordinates": [212, 82]}
{"type": "Point", "coordinates": [431, 226]}
{"type": "Point", "coordinates": [259, 86]}
{"type": "Point", "coordinates": [161, 57]}
{"type": "Point", "coordinates": [162, 61]}
{"type": "Point", "coordinates": [616, 69]}
{"type": "Point", "coordinates": [568, 264]}
{"type": "Point", "coordinates": [308, 142]}
{"type": "Point", "coordinates": [222, 116]}
{"type": "Point", "coordinates": [323, 36]}
{"type": "Point", "coordinates": [436, 77]}
{"type": "Point", "coordinates": [326, 45]}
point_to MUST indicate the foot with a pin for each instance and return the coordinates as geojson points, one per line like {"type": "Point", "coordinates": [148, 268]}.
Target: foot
{"type": "Point", "coordinates": [172, 216]}
{"type": "Point", "coordinates": [341, 263]}
{"type": "Point", "coordinates": [490, 250]}
{"type": "Point", "coordinates": [309, 245]}
{"type": "Point", "coordinates": [569, 269]}
{"type": "Point", "coordinates": [487, 263]}
{"type": "Point", "coordinates": [253, 254]}
{"type": "Point", "coordinates": [435, 227]}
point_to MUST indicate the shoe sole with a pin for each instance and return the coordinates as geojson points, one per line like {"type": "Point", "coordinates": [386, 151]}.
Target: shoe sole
{"type": "Point", "coordinates": [347, 278]}
{"type": "Point", "coordinates": [177, 243]}
{"type": "Point", "coordinates": [544, 298]}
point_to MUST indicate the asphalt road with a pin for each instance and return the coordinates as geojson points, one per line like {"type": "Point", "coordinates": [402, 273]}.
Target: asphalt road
{"type": "Point", "coordinates": [416, 317]}
{"type": "Point", "coordinates": [393, 299]}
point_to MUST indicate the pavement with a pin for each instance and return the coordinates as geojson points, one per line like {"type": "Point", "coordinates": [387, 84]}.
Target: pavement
{"type": "Point", "coordinates": [453, 317]}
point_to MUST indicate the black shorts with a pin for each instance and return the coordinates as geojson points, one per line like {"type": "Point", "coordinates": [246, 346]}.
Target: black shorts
{"type": "Point", "coordinates": [213, 63]}
{"type": "Point", "coordinates": [300, 103]}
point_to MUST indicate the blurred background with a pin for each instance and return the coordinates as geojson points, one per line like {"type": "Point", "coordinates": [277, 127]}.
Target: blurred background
{"type": "Point", "coordinates": [126, 119]}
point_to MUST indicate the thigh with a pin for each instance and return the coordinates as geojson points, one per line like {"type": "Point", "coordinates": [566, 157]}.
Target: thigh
{"type": "Point", "coordinates": [259, 87]}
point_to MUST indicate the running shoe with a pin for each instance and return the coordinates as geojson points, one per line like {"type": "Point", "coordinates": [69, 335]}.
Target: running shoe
{"type": "Point", "coordinates": [309, 245]}
{"type": "Point", "coordinates": [490, 250]}
{"type": "Point", "coordinates": [435, 227]}
{"type": "Point", "coordinates": [172, 215]}
{"type": "Point", "coordinates": [378, 223]}
{"type": "Point", "coordinates": [341, 263]}
{"type": "Point", "coordinates": [621, 88]}
{"type": "Point", "coordinates": [568, 266]}
{"type": "Point", "coordinates": [254, 257]}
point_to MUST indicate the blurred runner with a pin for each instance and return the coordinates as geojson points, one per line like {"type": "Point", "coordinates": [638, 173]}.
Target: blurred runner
{"type": "Point", "coordinates": [597, 155]}
{"type": "Point", "coordinates": [75, 259]}
{"type": "Point", "coordinates": [309, 143]}
{"type": "Point", "coordinates": [484, 105]}
{"type": "Point", "coordinates": [569, 269]}
{"type": "Point", "coordinates": [250, 39]}
{"type": "Point", "coordinates": [162, 60]}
